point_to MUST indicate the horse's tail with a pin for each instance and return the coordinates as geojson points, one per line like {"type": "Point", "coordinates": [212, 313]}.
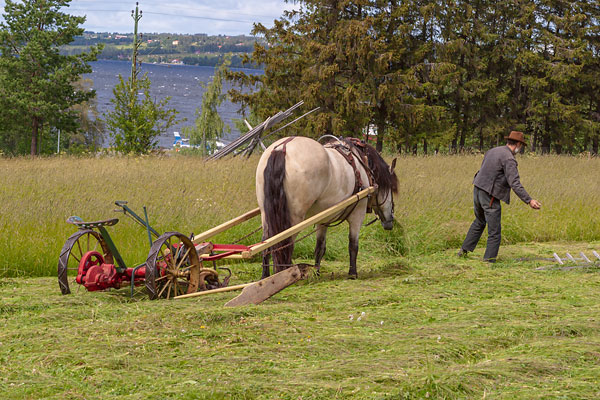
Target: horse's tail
{"type": "Point", "coordinates": [276, 209]}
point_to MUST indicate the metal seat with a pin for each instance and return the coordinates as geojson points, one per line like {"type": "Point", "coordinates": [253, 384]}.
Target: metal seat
{"type": "Point", "coordinates": [81, 224]}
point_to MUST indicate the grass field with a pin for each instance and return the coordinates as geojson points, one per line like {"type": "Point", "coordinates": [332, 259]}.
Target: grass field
{"type": "Point", "coordinates": [434, 325]}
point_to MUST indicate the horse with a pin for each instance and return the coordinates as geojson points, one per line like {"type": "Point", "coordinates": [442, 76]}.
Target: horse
{"type": "Point", "coordinates": [298, 177]}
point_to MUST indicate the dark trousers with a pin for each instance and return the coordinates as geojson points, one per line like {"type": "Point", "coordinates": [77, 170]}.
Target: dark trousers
{"type": "Point", "coordinates": [485, 214]}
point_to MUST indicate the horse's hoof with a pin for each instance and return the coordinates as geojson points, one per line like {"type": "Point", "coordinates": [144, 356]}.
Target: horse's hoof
{"type": "Point", "coordinates": [352, 276]}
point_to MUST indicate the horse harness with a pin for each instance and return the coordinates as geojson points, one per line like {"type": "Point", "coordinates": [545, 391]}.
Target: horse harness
{"type": "Point", "coordinates": [345, 147]}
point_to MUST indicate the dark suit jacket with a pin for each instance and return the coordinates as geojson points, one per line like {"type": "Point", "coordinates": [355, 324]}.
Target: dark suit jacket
{"type": "Point", "coordinates": [498, 174]}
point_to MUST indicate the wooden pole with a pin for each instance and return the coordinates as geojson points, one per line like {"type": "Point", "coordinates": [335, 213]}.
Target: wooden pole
{"type": "Point", "coordinates": [219, 290]}
{"type": "Point", "coordinates": [226, 225]}
{"type": "Point", "coordinates": [315, 219]}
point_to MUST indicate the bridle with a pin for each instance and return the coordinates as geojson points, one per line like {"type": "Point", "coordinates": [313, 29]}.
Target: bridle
{"type": "Point", "coordinates": [378, 204]}
{"type": "Point", "coordinates": [360, 146]}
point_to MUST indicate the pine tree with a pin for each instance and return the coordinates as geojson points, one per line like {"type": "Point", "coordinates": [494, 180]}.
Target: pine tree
{"type": "Point", "coordinates": [37, 83]}
{"type": "Point", "coordinates": [135, 124]}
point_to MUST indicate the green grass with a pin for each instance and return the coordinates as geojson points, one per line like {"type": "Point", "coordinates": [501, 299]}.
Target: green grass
{"type": "Point", "coordinates": [435, 325]}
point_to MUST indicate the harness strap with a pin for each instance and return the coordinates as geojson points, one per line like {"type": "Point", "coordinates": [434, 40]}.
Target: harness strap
{"type": "Point", "coordinates": [349, 156]}
{"type": "Point", "coordinates": [364, 160]}
{"type": "Point", "coordinates": [284, 143]}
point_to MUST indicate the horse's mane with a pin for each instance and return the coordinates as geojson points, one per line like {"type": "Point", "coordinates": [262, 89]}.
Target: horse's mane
{"type": "Point", "coordinates": [385, 179]}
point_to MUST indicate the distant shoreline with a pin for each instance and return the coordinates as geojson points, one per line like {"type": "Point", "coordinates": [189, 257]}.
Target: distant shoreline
{"type": "Point", "coordinates": [175, 64]}
{"type": "Point", "coordinates": [169, 49]}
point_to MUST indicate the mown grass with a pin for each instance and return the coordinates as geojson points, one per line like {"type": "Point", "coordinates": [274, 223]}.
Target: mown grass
{"type": "Point", "coordinates": [435, 325]}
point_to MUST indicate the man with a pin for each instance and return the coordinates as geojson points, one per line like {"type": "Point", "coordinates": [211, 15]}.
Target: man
{"type": "Point", "coordinates": [497, 175]}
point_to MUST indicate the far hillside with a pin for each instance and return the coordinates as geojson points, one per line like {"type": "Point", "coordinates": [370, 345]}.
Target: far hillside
{"type": "Point", "coordinates": [167, 48]}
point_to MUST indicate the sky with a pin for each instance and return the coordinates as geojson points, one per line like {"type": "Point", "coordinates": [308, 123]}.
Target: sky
{"type": "Point", "coordinates": [213, 17]}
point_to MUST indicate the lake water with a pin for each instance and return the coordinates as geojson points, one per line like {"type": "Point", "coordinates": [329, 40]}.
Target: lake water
{"type": "Point", "coordinates": [180, 82]}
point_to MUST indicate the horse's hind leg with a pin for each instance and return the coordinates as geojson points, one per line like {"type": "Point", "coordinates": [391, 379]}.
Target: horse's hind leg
{"type": "Point", "coordinates": [266, 261]}
{"type": "Point", "coordinates": [321, 246]}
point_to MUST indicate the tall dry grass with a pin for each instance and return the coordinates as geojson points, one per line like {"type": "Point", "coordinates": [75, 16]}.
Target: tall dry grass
{"type": "Point", "coordinates": [433, 206]}
{"type": "Point", "coordinates": [435, 200]}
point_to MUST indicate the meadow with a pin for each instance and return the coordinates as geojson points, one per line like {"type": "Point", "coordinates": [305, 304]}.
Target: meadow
{"type": "Point", "coordinates": [434, 325]}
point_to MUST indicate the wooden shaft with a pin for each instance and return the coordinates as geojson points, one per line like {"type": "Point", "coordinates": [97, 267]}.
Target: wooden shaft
{"type": "Point", "coordinates": [315, 219]}
{"type": "Point", "coordinates": [229, 257]}
{"type": "Point", "coordinates": [219, 290]}
{"type": "Point", "coordinates": [226, 225]}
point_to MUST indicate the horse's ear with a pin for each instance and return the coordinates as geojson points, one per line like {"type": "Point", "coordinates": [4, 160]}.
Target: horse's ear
{"type": "Point", "coordinates": [393, 165]}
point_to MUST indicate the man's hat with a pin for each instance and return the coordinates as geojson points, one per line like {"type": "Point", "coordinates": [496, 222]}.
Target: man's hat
{"type": "Point", "coordinates": [517, 136]}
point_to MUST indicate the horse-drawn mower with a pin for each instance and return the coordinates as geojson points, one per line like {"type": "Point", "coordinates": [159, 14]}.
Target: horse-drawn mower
{"type": "Point", "coordinates": [90, 258]}
{"type": "Point", "coordinates": [175, 264]}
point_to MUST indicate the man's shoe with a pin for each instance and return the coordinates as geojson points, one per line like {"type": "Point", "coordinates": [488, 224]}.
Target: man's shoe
{"type": "Point", "coordinates": [489, 260]}
{"type": "Point", "coordinates": [462, 252]}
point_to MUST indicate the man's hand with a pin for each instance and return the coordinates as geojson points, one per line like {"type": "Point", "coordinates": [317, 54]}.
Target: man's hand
{"type": "Point", "coordinates": [535, 204]}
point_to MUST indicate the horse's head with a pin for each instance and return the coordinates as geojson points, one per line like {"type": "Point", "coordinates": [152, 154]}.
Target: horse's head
{"type": "Point", "coordinates": [387, 182]}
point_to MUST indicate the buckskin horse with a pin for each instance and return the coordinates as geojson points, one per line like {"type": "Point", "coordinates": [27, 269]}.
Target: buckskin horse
{"type": "Point", "coordinates": [297, 177]}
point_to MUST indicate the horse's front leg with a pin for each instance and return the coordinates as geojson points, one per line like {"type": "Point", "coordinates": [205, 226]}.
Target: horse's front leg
{"type": "Point", "coordinates": [321, 245]}
{"type": "Point", "coordinates": [355, 221]}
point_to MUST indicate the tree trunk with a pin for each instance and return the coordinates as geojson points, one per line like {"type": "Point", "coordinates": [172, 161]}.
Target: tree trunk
{"type": "Point", "coordinates": [558, 148]}
{"type": "Point", "coordinates": [425, 146]}
{"type": "Point", "coordinates": [34, 136]}
{"type": "Point", "coordinates": [454, 144]}
{"type": "Point", "coordinates": [595, 138]}
{"type": "Point", "coordinates": [546, 141]}
{"type": "Point", "coordinates": [465, 123]}
{"type": "Point", "coordinates": [380, 123]}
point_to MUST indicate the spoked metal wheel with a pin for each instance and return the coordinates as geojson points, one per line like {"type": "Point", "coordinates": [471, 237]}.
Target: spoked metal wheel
{"type": "Point", "coordinates": [172, 267]}
{"type": "Point", "coordinates": [75, 249]}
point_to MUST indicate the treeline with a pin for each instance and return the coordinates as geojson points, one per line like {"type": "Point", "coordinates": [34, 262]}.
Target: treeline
{"type": "Point", "coordinates": [198, 49]}
{"type": "Point", "coordinates": [447, 75]}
